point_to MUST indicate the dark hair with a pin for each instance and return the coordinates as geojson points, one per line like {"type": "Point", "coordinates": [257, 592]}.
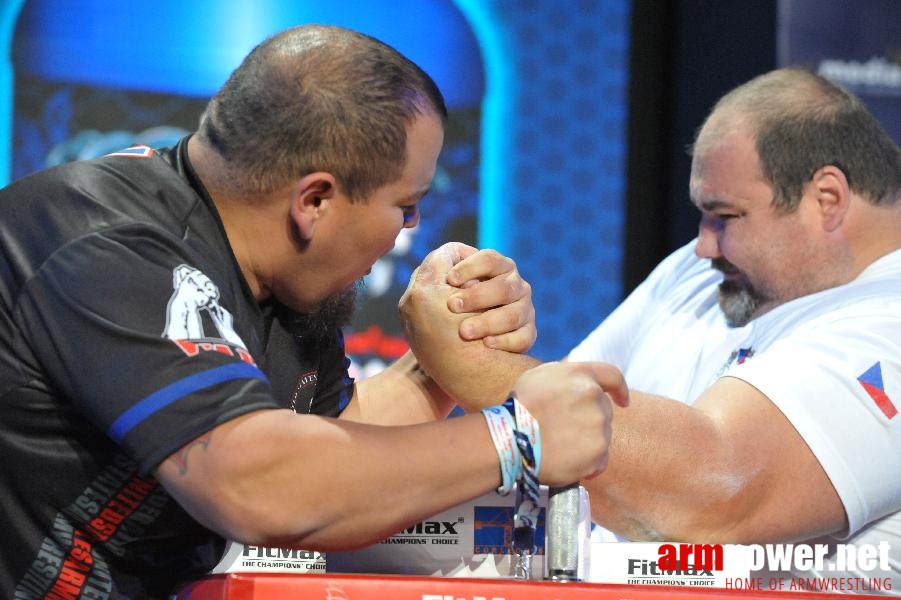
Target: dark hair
{"type": "Point", "coordinates": [803, 122]}
{"type": "Point", "coordinates": [318, 98]}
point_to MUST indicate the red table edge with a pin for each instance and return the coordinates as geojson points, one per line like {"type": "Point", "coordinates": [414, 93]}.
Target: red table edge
{"type": "Point", "coordinates": [338, 586]}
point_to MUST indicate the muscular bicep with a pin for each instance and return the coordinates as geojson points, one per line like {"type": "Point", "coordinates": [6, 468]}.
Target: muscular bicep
{"type": "Point", "coordinates": [781, 492]}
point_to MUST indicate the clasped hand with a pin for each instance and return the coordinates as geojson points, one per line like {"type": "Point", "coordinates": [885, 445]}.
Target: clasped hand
{"type": "Point", "coordinates": [479, 295]}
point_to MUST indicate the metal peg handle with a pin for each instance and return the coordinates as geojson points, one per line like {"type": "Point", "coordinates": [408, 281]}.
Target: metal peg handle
{"type": "Point", "coordinates": [563, 533]}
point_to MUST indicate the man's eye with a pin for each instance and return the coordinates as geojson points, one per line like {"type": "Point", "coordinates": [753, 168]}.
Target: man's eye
{"type": "Point", "coordinates": [716, 222]}
{"type": "Point", "coordinates": [411, 213]}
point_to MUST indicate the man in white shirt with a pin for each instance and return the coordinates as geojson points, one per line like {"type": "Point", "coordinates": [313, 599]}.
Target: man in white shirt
{"type": "Point", "coordinates": [764, 358]}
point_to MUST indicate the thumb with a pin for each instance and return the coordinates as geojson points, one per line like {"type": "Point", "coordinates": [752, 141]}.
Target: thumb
{"type": "Point", "coordinates": [611, 380]}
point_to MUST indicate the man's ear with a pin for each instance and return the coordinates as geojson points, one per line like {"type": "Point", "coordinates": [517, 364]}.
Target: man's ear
{"type": "Point", "coordinates": [830, 188]}
{"type": "Point", "coordinates": [310, 198]}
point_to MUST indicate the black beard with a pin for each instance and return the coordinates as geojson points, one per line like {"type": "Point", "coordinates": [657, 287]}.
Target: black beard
{"type": "Point", "coordinates": [335, 312]}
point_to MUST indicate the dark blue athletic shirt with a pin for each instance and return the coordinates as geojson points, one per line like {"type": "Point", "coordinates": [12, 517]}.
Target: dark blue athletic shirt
{"type": "Point", "coordinates": [126, 331]}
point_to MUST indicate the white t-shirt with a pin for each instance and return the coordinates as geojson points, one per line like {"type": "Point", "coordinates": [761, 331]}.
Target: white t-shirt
{"type": "Point", "coordinates": [830, 361]}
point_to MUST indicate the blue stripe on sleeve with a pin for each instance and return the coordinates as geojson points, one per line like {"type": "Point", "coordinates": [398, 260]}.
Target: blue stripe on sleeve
{"type": "Point", "coordinates": [344, 398]}
{"type": "Point", "coordinates": [169, 394]}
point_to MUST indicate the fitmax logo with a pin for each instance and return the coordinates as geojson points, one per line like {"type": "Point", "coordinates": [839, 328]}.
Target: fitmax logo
{"type": "Point", "coordinates": [283, 553]}
{"type": "Point", "coordinates": [433, 528]}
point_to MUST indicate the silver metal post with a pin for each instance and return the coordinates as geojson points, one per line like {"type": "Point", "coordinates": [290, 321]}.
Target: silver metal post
{"type": "Point", "coordinates": [563, 518]}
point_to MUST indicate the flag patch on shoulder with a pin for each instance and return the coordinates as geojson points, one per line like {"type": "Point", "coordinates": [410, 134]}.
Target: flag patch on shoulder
{"type": "Point", "coordinates": [871, 380]}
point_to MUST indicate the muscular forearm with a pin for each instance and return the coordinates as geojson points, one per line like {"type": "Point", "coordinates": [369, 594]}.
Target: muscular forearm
{"type": "Point", "coordinates": [729, 469]}
{"type": "Point", "coordinates": [661, 456]}
{"type": "Point", "coordinates": [275, 478]}
{"type": "Point", "coordinates": [402, 394]}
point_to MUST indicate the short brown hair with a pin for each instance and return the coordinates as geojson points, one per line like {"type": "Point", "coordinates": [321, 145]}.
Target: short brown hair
{"type": "Point", "coordinates": [318, 98]}
{"type": "Point", "coordinates": [802, 122]}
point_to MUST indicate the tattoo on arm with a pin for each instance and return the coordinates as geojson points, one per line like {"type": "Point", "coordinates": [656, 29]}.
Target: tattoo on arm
{"type": "Point", "coordinates": [180, 458]}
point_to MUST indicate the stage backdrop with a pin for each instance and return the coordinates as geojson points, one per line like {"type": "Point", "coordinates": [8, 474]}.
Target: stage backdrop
{"type": "Point", "coordinates": [533, 164]}
{"type": "Point", "coordinates": [855, 44]}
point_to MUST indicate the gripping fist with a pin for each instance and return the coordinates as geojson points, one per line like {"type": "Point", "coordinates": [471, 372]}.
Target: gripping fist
{"type": "Point", "coordinates": [573, 404]}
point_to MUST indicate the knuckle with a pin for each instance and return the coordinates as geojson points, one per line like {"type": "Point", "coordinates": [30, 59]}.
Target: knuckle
{"type": "Point", "coordinates": [521, 341]}
{"type": "Point", "coordinates": [492, 254]}
{"type": "Point", "coordinates": [510, 321]}
{"type": "Point", "coordinates": [512, 290]}
{"type": "Point", "coordinates": [581, 386]}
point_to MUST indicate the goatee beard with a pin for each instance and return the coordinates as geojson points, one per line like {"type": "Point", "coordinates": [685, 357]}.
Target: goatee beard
{"type": "Point", "coordinates": [738, 300]}
{"type": "Point", "coordinates": [738, 303]}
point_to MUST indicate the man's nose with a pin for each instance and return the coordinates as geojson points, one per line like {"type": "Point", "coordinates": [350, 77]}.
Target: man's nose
{"type": "Point", "coordinates": [707, 245]}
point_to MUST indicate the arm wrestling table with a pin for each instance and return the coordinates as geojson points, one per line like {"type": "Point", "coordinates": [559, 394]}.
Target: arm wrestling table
{"type": "Point", "coordinates": [324, 586]}
{"type": "Point", "coordinates": [484, 562]}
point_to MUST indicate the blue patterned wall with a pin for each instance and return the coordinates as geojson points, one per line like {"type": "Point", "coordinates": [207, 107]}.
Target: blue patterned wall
{"type": "Point", "coordinates": [554, 152]}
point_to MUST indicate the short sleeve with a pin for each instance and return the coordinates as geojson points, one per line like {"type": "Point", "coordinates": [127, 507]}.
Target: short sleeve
{"type": "Point", "coordinates": [145, 338]}
{"type": "Point", "coordinates": [838, 381]}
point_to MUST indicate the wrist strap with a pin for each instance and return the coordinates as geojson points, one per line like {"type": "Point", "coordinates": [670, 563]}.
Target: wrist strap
{"type": "Point", "coordinates": [517, 440]}
{"type": "Point", "coordinates": [502, 427]}
{"type": "Point", "coordinates": [528, 439]}
{"type": "Point", "coordinates": [527, 506]}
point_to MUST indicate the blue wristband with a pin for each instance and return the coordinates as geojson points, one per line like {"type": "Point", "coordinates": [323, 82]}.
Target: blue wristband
{"type": "Point", "coordinates": [527, 507]}
{"type": "Point", "coordinates": [502, 427]}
